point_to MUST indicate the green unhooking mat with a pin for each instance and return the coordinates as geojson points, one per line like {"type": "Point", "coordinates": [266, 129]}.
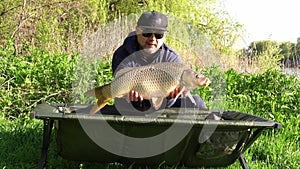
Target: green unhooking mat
{"type": "Point", "coordinates": [175, 136]}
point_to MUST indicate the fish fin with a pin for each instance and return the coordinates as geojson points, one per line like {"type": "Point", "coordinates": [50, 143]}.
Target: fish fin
{"type": "Point", "coordinates": [204, 81]}
{"type": "Point", "coordinates": [94, 109]}
{"type": "Point", "coordinates": [93, 92]}
{"type": "Point", "coordinates": [100, 104]}
{"type": "Point", "coordinates": [176, 97]}
{"type": "Point", "coordinates": [103, 95]}
{"type": "Point", "coordinates": [189, 95]}
{"type": "Point", "coordinates": [157, 102]}
{"type": "Point", "coordinates": [123, 71]}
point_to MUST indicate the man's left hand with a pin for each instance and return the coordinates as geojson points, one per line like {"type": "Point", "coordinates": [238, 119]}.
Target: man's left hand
{"type": "Point", "coordinates": [174, 93]}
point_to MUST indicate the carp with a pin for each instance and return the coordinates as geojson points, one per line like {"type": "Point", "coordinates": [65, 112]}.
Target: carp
{"type": "Point", "coordinates": [154, 82]}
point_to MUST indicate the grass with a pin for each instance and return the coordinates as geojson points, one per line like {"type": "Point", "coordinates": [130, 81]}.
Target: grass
{"type": "Point", "coordinates": [18, 143]}
{"type": "Point", "coordinates": [21, 142]}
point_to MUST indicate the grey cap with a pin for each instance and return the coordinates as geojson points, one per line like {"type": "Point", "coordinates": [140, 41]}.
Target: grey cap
{"type": "Point", "coordinates": [153, 20]}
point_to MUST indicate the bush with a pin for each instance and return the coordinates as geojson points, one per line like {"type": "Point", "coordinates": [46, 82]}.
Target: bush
{"type": "Point", "coordinates": [43, 76]}
{"type": "Point", "coordinates": [40, 76]}
{"type": "Point", "coordinates": [269, 94]}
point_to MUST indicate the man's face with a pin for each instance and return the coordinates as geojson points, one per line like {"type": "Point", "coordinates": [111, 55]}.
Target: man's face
{"type": "Point", "coordinates": [149, 40]}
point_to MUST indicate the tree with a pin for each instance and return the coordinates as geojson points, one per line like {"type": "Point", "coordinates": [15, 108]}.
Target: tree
{"type": "Point", "coordinates": [262, 46]}
{"type": "Point", "coordinates": [298, 47]}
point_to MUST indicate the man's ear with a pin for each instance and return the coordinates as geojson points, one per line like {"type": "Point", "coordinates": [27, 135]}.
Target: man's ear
{"type": "Point", "coordinates": [138, 29]}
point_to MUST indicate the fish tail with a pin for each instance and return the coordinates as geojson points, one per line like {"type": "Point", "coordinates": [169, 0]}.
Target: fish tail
{"type": "Point", "coordinates": [103, 94]}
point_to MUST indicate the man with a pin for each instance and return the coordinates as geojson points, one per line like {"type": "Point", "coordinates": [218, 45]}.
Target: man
{"type": "Point", "coordinates": [146, 46]}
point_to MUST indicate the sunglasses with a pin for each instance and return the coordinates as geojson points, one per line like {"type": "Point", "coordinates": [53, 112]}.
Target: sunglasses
{"type": "Point", "coordinates": [156, 35]}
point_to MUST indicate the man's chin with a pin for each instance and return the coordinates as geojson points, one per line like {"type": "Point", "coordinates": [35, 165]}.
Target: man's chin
{"type": "Point", "coordinates": [150, 50]}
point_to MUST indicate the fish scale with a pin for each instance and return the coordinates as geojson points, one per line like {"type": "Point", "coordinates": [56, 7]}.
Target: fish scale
{"type": "Point", "coordinates": [148, 84]}
{"type": "Point", "coordinates": [154, 82]}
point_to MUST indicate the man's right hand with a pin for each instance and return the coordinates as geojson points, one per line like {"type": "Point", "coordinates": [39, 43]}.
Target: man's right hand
{"type": "Point", "coordinates": [134, 96]}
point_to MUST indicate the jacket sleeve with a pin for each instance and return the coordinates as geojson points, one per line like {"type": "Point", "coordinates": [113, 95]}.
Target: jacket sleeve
{"type": "Point", "coordinates": [170, 55]}
{"type": "Point", "coordinates": [128, 47]}
{"type": "Point", "coordinates": [119, 55]}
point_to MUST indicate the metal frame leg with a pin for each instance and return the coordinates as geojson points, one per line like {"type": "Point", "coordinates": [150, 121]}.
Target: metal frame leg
{"type": "Point", "coordinates": [243, 161]}
{"type": "Point", "coordinates": [248, 143]}
{"type": "Point", "coordinates": [48, 124]}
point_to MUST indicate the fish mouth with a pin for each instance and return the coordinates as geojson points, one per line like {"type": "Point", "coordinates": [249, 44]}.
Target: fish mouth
{"type": "Point", "coordinates": [203, 81]}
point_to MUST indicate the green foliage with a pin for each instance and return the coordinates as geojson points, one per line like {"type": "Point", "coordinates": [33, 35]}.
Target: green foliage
{"type": "Point", "coordinates": [264, 55]}
{"type": "Point", "coordinates": [298, 47]}
{"type": "Point", "coordinates": [259, 47]}
{"type": "Point", "coordinates": [57, 25]}
{"type": "Point", "coordinates": [43, 76]}
{"type": "Point", "coordinates": [60, 26]}
{"type": "Point", "coordinates": [275, 96]}
{"type": "Point", "coordinates": [287, 49]}
{"type": "Point", "coordinates": [87, 75]}
{"type": "Point", "coordinates": [269, 94]}
{"type": "Point", "coordinates": [269, 59]}
{"type": "Point", "coordinates": [283, 52]}
{"type": "Point", "coordinates": [19, 144]}
{"type": "Point", "coordinates": [214, 94]}
{"type": "Point", "coordinates": [28, 80]}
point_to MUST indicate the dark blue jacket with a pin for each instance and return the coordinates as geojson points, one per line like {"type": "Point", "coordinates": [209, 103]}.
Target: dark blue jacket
{"type": "Point", "coordinates": [128, 55]}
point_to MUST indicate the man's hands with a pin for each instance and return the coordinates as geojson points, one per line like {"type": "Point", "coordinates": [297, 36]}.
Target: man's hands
{"type": "Point", "coordinates": [174, 93]}
{"type": "Point", "coordinates": [134, 96]}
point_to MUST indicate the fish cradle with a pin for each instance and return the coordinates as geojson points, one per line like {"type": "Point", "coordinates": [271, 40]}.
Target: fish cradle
{"type": "Point", "coordinates": [154, 82]}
